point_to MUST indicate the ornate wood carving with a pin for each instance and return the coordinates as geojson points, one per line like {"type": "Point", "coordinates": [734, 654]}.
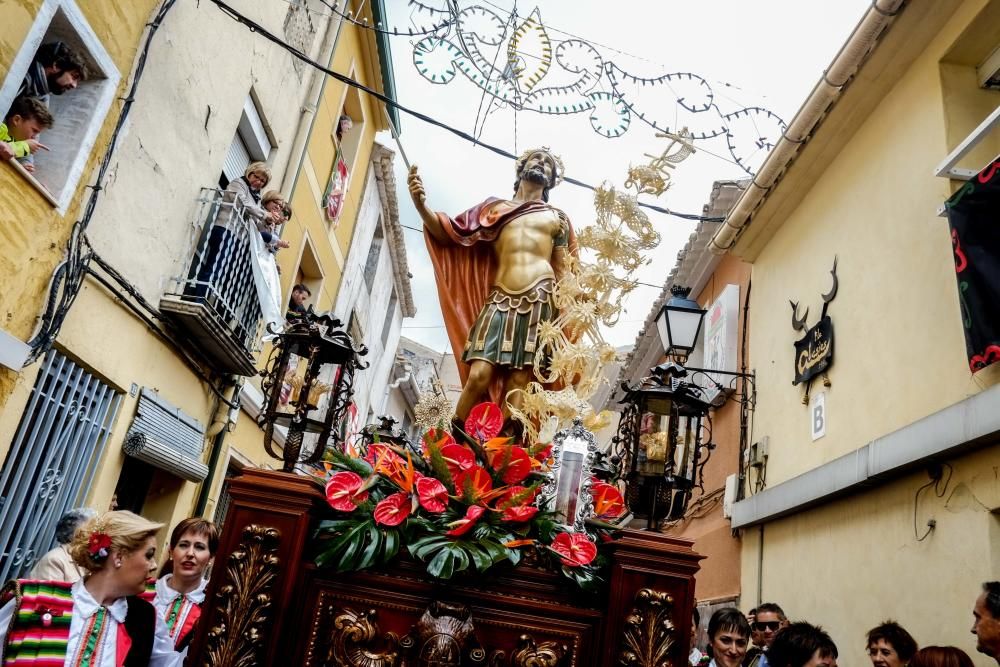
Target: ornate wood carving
{"type": "Point", "coordinates": [355, 642]}
{"type": "Point", "coordinates": [244, 601]}
{"type": "Point", "coordinates": [649, 632]}
{"type": "Point", "coordinates": [445, 636]}
{"type": "Point", "coordinates": [532, 654]}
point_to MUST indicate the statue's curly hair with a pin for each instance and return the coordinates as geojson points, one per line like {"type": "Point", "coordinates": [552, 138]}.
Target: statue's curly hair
{"type": "Point", "coordinates": [557, 169]}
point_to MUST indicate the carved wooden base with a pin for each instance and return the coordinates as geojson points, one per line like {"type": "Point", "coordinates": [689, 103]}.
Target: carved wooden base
{"type": "Point", "coordinates": [268, 605]}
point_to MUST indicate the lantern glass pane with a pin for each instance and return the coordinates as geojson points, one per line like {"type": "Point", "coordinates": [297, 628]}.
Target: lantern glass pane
{"type": "Point", "coordinates": [322, 391]}
{"type": "Point", "coordinates": [654, 442]}
{"type": "Point", "coordinates": [683, 328]}
{"type": "Point", "coordinates": [293, 378]}
{"type": "Point", "coordinates": [684, 452]}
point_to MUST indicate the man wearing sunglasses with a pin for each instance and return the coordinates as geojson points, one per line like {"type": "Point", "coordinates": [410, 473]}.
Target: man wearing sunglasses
{"type": "Point", "coordinates": [769, 619]}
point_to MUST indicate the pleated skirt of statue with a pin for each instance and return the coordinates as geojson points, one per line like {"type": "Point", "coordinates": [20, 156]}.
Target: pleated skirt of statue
{"type": "Point", "coordinates": [506, 331]}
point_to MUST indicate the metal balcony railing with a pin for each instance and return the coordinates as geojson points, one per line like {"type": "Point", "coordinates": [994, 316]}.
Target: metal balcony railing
{"type": "Point", "coordinates": [216, 300]}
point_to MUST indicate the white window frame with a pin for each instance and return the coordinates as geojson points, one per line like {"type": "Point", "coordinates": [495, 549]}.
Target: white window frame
{"type": "Point", "coordinates": [109, 87]}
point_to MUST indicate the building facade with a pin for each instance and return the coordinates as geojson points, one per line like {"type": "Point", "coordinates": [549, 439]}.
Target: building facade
{"type": "Point", "coordinates": [878, 493]}
{"type": "Point", "coordinates": [146, 360]}
{"type": "Point", "coordinates": [719, 285]}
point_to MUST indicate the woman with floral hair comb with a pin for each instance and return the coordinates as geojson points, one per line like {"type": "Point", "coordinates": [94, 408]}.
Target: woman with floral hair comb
{"type": "Point", "coordinates": [99, 621]}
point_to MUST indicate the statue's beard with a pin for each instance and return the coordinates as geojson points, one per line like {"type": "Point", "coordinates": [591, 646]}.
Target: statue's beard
{"type": "Point", "coordinates": [535, 175]}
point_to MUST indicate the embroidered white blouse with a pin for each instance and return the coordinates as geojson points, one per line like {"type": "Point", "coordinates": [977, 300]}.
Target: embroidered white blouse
{"type": "Point", "coordinates": [84, 607]}
{"type": "Point", "coordinates": [167, 596]}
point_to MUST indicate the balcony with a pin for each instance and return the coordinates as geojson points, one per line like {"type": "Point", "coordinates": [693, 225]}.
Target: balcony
{"type": "Point", "coordinates": [216, 302]}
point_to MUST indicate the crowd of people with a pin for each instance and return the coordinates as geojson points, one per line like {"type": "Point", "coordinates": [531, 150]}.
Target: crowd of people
{"type": "Point", "coordinates": [91, 600]}
{"type": "Point", "coordinates": [766, 638]}
{"type": "Point", "coordinates": [55, 69]}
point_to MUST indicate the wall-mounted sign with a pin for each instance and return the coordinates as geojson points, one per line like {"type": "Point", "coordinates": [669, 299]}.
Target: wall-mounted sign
{"type": "Point", "coordinates": [814, 351]}
{"type": "Point", "coordinates": [817, 416]}
{"type": "Point", "coordinates": [972, 215]}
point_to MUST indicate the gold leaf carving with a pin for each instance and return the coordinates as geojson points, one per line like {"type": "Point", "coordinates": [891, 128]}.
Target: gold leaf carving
{"type": "Point", "coordinates": [237, 639]}
{"type": "Point", "coordinates": [354, 639]}
{"type": "Point", "coordinates": [532, 654]}
{"type": "Point", "coordinates": [649, 632]}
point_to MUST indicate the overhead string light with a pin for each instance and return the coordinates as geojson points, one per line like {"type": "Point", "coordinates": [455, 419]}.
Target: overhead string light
{"type": "Point", "coordinates": [574, 76]}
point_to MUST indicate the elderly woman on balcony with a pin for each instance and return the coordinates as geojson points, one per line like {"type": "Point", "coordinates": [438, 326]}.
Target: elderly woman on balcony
{"type": "Point", "coordinates": [241, 197]}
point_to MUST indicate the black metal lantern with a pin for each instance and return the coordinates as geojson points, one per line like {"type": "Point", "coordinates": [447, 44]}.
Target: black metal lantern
{"type": "Point", "coordinates": [308, 385]}
{"type": "Point", "coordinates": [659, 444]}
{"type": "Point", "coordinates": [679, 323]}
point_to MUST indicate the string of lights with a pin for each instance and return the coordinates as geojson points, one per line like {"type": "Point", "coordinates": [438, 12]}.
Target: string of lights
{"type": "Point", "coordinates": [572, 71]}
{"type": "Point", "coordinates": [256, 28]}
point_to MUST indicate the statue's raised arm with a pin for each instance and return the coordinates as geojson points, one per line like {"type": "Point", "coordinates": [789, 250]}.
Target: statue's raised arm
{"type": "Point", "coordinates": [496, 266]}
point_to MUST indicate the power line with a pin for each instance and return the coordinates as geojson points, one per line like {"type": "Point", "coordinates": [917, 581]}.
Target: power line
{"type": "Point", "coordinates": [255, 27]}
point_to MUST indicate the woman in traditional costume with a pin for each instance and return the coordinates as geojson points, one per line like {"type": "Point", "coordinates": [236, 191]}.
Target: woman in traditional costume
{"type": "Point", "coordinates": [99, 621]}
{"type": "Point", "coordinates": [180, 590]}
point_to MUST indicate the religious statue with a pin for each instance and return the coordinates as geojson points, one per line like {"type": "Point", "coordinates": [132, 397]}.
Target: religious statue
{"type": "Point", "coordinates": [496, 266]}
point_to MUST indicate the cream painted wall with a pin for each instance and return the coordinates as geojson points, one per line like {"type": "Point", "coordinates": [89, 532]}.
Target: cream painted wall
{"type": "Point", "coordinates": [853, 563]}
{"type": "Point", "coordinates": [899, 351]}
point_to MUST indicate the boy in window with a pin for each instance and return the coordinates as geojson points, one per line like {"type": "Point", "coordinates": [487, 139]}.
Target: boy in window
{"type": "Point", "coordinates": [55, 69]}
{"type": "Point", "coordinates": [25, 119]}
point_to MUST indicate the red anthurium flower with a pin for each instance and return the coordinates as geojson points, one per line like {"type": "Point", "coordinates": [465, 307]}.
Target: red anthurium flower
{"type": "Point", "coordinates": [432, 494]}
{"type": "Point", "coordinates": [342, 491]}
{"type": "Point", "coordinates": [576, 549]}
{"type": "Point", "coordinates": [393, 510]}
{"type": "Point", "coordinates": [437, 437]}
{"type": "Point", "coordinates": [518, 463]}
{"type": "Point", "coordinates": [378, 452]}
{"type": "Point", "coordinates": [458, 459]}
{"type": "Point", "coordinates": [516, 495]}
{"type": "Point", "coordinates": [464, 525]}
{"type": "Point", "coordinates": [608, 500]}
{"type": "Point", "coordinates": [484, 421]}
{"type": "Point", "coordinates": [541, 452]}
{"type": "Point", "coordinates": [477, 479]}
{"type": "Point", "coordinates": [519, 513]}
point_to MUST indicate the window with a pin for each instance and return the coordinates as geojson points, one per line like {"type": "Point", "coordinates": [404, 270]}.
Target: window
{"type": "Point", "coordinates": [390, 315]}
{"type": "Point", "coordinates": [374, 251]}
{"type": "Point", "coordinates": [251, 143]}
{"type": "Point", "coordinates": [350, 140]}
{"type": "Point", "coordinates": [79, 114]}
{"type": "Point", "coordinates": [309, 273]}
{"type": "Point", "coordinates": [53, 458]}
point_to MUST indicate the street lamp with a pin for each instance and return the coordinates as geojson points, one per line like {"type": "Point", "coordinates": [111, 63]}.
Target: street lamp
{"type": "Point", "coordinates": [659, 444]}
{"type": "Point", "coordinates": [679, 323]}
{"type": "Point", "coordinates": [308, 384]}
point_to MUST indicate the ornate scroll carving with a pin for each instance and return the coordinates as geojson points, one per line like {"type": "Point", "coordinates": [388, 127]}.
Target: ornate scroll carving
{"type": "Point", "coordinates": [355, 642]}
{"type": "Point", "coordinates": [532, 654]}
{"type": "Point", "coordinates": [445, 636]}
{"type": "Point", "coordinates": [649, 632]}
{"type": "Point", "coordinates": [237, 640]}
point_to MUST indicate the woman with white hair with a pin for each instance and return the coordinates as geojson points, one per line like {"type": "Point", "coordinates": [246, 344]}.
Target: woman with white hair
{"type": "Point", "coordinates": [57, 564]}
{"type": "Point", "coordinates": [100, 620]}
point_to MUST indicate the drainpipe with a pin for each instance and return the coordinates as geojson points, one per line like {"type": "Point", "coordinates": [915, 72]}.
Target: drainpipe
{"type": "Point", "coordinates": [224, 417]}
{"type": "Point", "coordinates": [826, 92]}
{"type": "Point", "coordinates": [308, 117]}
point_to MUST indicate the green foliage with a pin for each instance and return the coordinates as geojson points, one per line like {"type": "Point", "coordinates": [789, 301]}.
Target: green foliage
{"type": "Point", "coordinates": [439, 467]}
{"type": "Point", "coordinates": [342, 461]}
{"type": "Point", "coordinates": [356, 543]}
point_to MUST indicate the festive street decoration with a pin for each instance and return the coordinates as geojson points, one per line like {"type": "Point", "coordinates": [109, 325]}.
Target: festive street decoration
{"type": "Point", "coordinates": [814, 351]}
{"type": "Point", "coordinates": [515, 61]}
{"type": "Point", "coordinates": [457, 506]}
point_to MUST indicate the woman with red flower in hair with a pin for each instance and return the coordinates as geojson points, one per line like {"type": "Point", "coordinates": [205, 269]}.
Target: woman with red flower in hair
{"type": "Point", "coordinates": [99, 621]}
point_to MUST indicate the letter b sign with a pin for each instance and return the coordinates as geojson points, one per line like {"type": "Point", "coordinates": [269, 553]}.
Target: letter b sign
{"type": "Point", "coordinates": [817, 415]}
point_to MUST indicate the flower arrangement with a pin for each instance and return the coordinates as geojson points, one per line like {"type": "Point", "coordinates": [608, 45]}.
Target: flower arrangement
{"type": "Point", "coordinates": [456, 506]}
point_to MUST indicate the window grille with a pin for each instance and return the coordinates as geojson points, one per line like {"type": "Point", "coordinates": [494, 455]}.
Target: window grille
{"type": "Point", "coordinates": [52, 460]}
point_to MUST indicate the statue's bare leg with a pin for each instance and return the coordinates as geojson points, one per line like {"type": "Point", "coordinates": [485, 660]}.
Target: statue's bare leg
{"type": "Point", "coordinates": [518, 379]}
{"type": "Point", "coordinates": [476, 387]}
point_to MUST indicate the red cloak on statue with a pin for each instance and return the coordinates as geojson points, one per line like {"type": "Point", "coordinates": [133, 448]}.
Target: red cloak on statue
{"type": "Point", "coordinates": [466, 267]}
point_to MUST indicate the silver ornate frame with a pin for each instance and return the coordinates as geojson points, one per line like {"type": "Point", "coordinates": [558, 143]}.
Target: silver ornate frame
{"type": "Point", "coordinates": [585, 501]}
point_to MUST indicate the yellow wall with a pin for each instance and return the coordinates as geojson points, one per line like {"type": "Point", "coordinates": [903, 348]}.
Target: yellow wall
{"type": "Point", "coordinates": [331, 244]}
{"type": "Point", "coordinates": [32, 233]}
{"type": "Point", "coordinates": [899, 346]}
{"type": "Point", "coordinates": [899, 356]}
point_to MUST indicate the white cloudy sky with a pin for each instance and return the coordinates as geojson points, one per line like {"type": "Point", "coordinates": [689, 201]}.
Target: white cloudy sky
{"type": "Point", "coordinates": [765, 53]}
